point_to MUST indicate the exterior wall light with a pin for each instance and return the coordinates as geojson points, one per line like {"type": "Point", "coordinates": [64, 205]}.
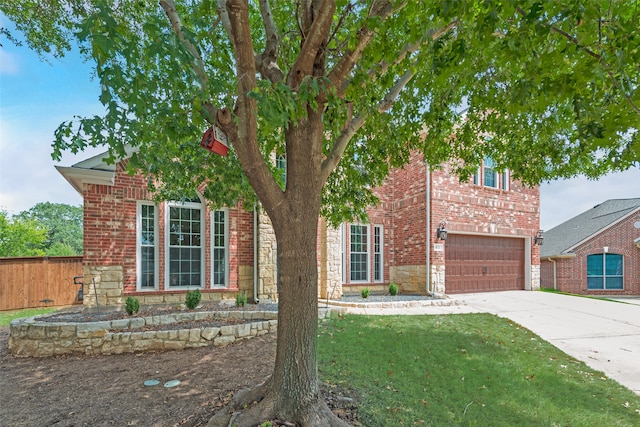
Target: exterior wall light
{"type": "Point", "coordinates": [441, 232]}
{"type": "Point", "coordinates": [538, 238]}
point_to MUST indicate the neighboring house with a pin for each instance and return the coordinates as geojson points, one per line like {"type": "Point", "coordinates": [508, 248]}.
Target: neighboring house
{"type": "Point", "coordinates": [157, 252]}
{"type": "Point", "coordinates": [596, 252]}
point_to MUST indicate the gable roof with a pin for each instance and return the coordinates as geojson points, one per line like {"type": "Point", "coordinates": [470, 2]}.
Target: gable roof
{"type": "Point", "coordinates": [94, 170]}
{"type": "Point", "coordinates": [562, 239]}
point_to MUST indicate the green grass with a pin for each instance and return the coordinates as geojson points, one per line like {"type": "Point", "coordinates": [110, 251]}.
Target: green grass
{"type": "Point", "coordinates": [555, 291]}
{"type": "Point", "coordinates": [7, 316]}
{"type": "Point", "coordinates": [465, 370]}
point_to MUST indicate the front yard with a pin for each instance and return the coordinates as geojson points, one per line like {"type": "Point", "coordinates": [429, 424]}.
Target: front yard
{"type": "Point", "coordinates": [396, 370]}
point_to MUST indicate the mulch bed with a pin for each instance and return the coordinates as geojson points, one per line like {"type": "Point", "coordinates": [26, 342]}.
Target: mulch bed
{"type": "Point", "coordinates": [101, 390]}
{"type": "Point", "coordinates": [93, 315]}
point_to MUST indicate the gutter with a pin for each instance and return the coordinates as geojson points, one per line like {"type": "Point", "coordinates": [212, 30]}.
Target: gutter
{"type": "Point", "coordinates": [427, 236]}
{"type": "Point", "coordinates": [553, 259]}
{"type": "Point", "coordinates": [256, 264]}
{"type": "Point", "coordinates": [555, 275]}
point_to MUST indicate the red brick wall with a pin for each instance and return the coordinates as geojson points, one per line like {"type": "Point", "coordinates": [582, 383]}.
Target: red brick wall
{"type": "Point", "coordinates": [470, 208]}
{"type": "Point", "coordinates": [466, 208]}
{"type": "Point", "coordinates": [571, 274]}
{"type": "Point", "coordinates": [409, 215]}
{"type": "Point", "coordinates": [110, 230]}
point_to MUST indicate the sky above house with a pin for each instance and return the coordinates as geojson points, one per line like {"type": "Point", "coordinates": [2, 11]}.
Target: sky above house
{"type": "Point", "coordinates": [37, 94]}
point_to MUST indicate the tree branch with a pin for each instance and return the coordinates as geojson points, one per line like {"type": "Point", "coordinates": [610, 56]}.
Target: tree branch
{"type": "Point", "coordinates": [408, 49]}
{"type": "Point", "coordinates": [393, 93]}
{"type": "Point", "coordinates": [333, 158]}
{"type": "Point", "coordinates": [312, 43]}
{"type": "Point", "coordinates": [226, 22]}
{"type": "Point", "coordinates": [342, 69]}
{"type": "Point", "coordinates": [246, 142]}
{"type": "Point", "coordinates": [170, 10]}
{"type": "Point", "coordinates": [267, 63]}
{"type": "Point", "coordinates": [337, 151]}
{"type": "Point", "coordinates": [591, 53]}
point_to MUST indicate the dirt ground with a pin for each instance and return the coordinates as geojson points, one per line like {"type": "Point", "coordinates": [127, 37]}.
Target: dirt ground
{"type": "Point", "coordinates": [110, 390]}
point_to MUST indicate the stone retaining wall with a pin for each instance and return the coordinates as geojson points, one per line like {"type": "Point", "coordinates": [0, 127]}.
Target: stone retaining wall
{"type": "Point", "coordinates": [30, 337]}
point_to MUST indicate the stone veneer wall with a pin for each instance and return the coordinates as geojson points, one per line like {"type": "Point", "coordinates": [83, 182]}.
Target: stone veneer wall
{"type": "Point", "coordinates": [267, 259]}
{"type": "Point", "coordinates": [410, 278]}
{"type": "Point", "coordinates": [29, 337]}
{"type": "Point", "coordinates": [109, 286]}
{"type": "Point", "coordinates": [535, 277]}
{"type": "Point", "coordinates": [329, 262]}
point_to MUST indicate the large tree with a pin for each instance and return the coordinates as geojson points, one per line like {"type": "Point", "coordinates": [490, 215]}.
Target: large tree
{"type": "Point", "coordinates": [344, 90]}
{"type": "Point", "coordinates": [64, 226]}
{"type": "Point", "coordinates": [21, 237]}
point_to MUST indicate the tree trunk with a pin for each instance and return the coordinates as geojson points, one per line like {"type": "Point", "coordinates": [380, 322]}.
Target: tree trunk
{"type": "Point", "coordinates": [295, 376]}
{"type": "Point", "coordinates": [292, 393]}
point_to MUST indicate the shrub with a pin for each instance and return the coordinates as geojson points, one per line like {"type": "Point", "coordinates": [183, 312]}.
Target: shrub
{"type": "Point", "coordinates": [365, 293]}
{"type": "Point", "coordinates": [241, 299]}
{"type": "Point", "coordinates": [131, 305]}
{"type": "Point", "coordinates": [393, 289]}
{"type": "Point", "coordinates": [193, 299]}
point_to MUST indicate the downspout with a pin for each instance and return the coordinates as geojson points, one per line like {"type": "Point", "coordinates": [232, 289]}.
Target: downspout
{"type": "Point", "coordinates": [428, 229]}
{"type": "Point", "coordinates": [553, 261]}
{"type": "Point", "coordinates": [256, 264]}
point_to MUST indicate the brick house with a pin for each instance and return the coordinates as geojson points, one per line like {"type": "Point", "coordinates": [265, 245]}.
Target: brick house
{"type": "Point", "coordinates": [133, 247]}
{"type": "Point", "coordinates": [596, 252]}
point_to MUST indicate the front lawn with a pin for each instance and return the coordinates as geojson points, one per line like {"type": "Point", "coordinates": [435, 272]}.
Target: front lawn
{"type": "Point", "coordinates": [469, 370]}
{"type": "Point", "coordinates": [7, 316]}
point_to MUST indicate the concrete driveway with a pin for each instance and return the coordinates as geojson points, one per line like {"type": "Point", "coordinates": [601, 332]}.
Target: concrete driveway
{"type": "Point", "coordinates": [603, 334]}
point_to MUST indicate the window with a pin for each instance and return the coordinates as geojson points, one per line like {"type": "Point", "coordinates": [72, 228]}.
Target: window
{"type": "Point", "coordinates": [359, 253]}
{"type": "Point", "coordinates": [377, 253]}
{"type": "Point", "coordinates": [505, 180]}
{"type": "Point", "coordinates": [604, 271]}
{"type": "Point", "coordinates": [219, 244]}
{"type": "Point", "coordinates": [489, 173]}
{"type": "Point", "coordinates": [147, 246]}
{"type": "Point", "coordinates": [184, 238]}
{"type": "Point", "coordinates": [281, 166]}
{"type": "Point", "coordinates": [487, 176]}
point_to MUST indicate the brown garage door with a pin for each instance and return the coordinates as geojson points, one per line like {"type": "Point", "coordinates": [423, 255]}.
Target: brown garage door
{"type": "Point", "coordinates": [483, 264]}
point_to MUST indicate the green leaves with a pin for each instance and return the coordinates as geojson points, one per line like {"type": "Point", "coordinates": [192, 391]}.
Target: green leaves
{"type": "Point", "coordinates": [21, 237]}
{"type": "Point", "coordinates": [556, 85]}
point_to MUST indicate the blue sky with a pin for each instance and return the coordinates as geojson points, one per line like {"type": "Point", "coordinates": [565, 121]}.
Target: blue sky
{"type": "Point", "coordinates": [36, 96]}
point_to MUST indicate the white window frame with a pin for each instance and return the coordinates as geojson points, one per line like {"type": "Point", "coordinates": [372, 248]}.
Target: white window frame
{"type": "Point", "coordinates": [139, 245]}
{"type": "Point", "coordinates": [366, 233]}
{"type": "Point", "coordinates": [492, 170]}
{"type": "Point", "coordinates": [167, 244]}
{"type": "Point", "coordinates": [380, 252]}
{"type": "Point", "coordinates": [502, 179]}
{"type": "Point", "coordinates": [343, 255]}
{"type": "Point", "coordinates": [213, 247]}
{"type": "Point", "coordinates": [506, 179]}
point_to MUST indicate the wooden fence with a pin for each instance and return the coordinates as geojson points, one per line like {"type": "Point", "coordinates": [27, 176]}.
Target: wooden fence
{"type": "Point", "coordinates": [38, 282]}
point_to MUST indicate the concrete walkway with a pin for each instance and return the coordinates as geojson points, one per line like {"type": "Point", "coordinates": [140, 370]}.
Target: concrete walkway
{"type": "Point", "coordinates": [603, 334]}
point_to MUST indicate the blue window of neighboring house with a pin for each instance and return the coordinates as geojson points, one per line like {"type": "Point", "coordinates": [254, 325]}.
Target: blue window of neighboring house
{"type": "Point", "coordinates": [605, 271]}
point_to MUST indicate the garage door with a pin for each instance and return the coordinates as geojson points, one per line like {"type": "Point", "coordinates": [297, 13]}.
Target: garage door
{"type": "Point", "coordinates": [483, 263]}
